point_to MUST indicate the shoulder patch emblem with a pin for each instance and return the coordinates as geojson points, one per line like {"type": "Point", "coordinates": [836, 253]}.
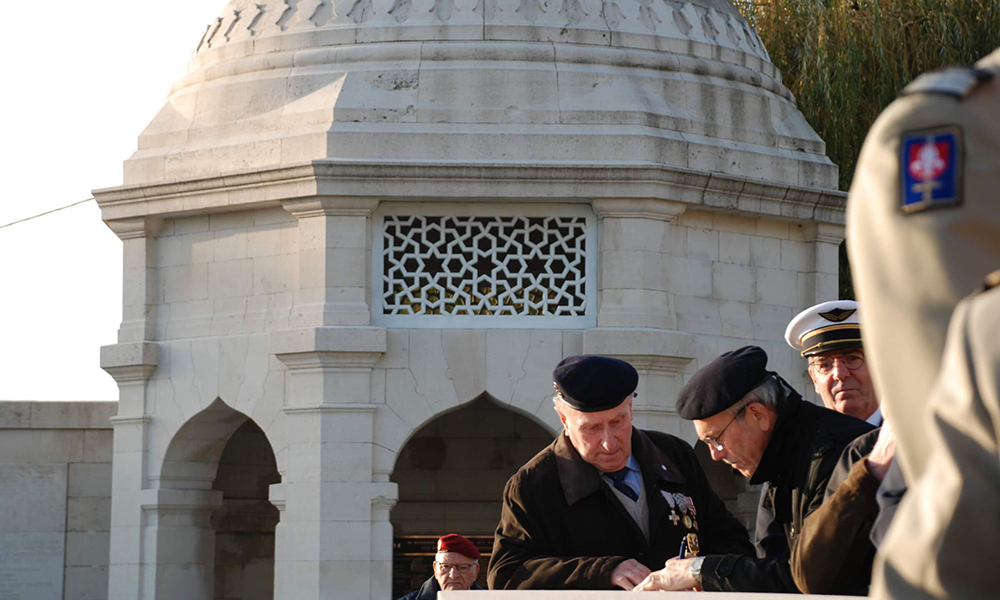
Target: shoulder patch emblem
{"type": "Point", "coordinates": [837, 315]}
{"type": "Point", "coordinates": [931, 169]}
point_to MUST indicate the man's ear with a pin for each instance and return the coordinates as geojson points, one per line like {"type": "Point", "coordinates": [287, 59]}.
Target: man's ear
{"type": "Point", "coordinates": [762, 416]}
{"type": "Point", "coordinates": [562, 417]}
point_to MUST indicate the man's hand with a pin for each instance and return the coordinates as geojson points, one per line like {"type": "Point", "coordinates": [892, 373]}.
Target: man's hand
{"type": "Point", "coordinates": [628, 573]}
{"type": "Point", "coordinates": [675, 575]}
{"type": "Point", "coordinates": [880, 457]}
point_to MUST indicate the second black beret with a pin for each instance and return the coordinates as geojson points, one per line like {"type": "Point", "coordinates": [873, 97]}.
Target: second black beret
{"type": "Point", "coordinates": [722, 382]}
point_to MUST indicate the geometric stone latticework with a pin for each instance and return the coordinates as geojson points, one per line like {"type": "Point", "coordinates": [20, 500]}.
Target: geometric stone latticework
{"type": "Point", "coordinates": [484, 266]}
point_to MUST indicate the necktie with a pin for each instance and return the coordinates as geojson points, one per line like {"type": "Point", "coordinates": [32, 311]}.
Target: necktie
{"type": "Point", "coordinates": [618, 478]}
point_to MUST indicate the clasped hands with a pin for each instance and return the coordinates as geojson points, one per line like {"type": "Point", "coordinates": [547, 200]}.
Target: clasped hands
{"type": "Point", "coordinates": [635, 576]}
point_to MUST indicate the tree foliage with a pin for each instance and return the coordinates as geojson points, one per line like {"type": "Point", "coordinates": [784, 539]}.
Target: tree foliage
{"type": "Point", "coordinates": [845, 60]}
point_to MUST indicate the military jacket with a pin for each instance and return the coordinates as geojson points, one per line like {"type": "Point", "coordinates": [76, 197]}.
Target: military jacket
{"type": "Point", "coordinates": [796, 466]}
{"type": "Point", "coordinates": [562, 527]}
{"type": "Point", "coordinates": [943, 542]}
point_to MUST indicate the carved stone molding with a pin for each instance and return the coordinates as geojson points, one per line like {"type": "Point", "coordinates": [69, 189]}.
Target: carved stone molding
{"type": "Point", "coordinates": [639, 208]}
{"type": "Point", "coordinates": [138, 227]}
{"type": "Point", "coordinates": [130, 362]}
{"type": "Point", "coordinates": [330, 206]}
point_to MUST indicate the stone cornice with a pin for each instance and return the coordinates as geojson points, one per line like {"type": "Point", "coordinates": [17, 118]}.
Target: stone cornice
{"type": "Point", "coordinates": [472, 182]}
{"type": "Point", "coordinates": [329, 206]}
{"type": "Point", "coordinates": [136, 227]}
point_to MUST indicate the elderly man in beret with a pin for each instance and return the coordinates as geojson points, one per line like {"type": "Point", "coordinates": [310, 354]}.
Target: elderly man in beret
{"type": "Point", "coordinates": [456, 566]}
{"type": "Point", "coordinates": [828, 335]}
{"type": "Point", "coordinates": [605, 502]}
{"type": "Point", "coordinates": [753, 420]}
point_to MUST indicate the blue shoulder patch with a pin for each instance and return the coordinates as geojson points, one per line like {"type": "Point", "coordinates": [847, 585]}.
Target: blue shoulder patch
{"type": "Point", "coordinates": [931, 169]}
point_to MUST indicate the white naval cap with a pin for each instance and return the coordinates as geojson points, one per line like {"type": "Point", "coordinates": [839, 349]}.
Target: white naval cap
{"type": "Point", "coordinates": [827, 326]}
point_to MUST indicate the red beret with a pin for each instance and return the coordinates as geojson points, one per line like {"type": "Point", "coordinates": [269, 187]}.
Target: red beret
{"type": "Point", "coordinates": [456, 543]}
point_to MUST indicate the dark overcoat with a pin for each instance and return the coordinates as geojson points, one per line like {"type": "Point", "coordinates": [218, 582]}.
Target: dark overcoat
{"type": "Point", "coordinates": [429, 591]}
{"type": "Point", "coordinates": [561, 527]}
{"type": "Point", "coordinates": [796, 466]}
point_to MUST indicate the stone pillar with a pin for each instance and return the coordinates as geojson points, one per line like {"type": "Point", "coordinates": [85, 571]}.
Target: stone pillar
{"type": "Point", "coordinates": [138, 277]}
{"type": "Point", "coordinates": [277, 495]}
{"type": "Point", "coordinates": [131, 364]}
{"type": "Point", "coordinates": [825, 239]}
{"type": "Point", "coordinates": [336, 539]}
{"type": "Point", "coordinates": [178, 549]}
{"type": "Point", "coordinates": [660, 357]}
{"type": "Point", "coordinates": [638, 236]}
{"type": "Point", "coordinates": [334, 260]}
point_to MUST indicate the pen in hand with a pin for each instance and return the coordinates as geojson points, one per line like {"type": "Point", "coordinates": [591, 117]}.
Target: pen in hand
{"type": "Point", "coordinates": [683, 552]}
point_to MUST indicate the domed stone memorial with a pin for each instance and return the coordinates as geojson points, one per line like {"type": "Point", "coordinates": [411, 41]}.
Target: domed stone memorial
{"type": "Point", "coordinates": [352, 218]}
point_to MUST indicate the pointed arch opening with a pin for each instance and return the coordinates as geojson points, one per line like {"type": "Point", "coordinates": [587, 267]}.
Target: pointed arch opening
{"type": "Point", "coordinates": [451, 474]}
{"type": "Point", "coordinates": [215, 533]}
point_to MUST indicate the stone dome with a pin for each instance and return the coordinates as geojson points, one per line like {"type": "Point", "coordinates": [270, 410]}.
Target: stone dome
{"type": "Point", "coordinates": [684, 85]}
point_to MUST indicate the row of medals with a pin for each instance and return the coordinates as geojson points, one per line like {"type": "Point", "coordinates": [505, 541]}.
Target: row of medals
{"type": "Point", "coordinates": [688, 517]}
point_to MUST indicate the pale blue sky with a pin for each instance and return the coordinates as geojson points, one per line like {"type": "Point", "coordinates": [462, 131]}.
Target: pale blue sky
{"type": "Point", "coordinates": [81, 81]}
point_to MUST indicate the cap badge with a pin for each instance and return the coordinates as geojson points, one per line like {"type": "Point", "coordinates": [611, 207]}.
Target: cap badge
{"type": "Point", "coordinates": [838, 314]}
{"type": "Point", "coordinates": [931, 169]}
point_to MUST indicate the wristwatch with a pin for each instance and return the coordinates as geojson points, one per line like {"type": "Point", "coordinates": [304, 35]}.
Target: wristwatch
{"type": "Point", "coordinates": [696, 569]}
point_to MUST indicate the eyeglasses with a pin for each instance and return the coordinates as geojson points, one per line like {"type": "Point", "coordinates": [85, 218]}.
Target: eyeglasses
{"type": "Point", "coordinates": [825, 364]}
{"type": "Point", "coordinates": [713, 442]}
{"type": "Point", "coordinates": [462, 569]}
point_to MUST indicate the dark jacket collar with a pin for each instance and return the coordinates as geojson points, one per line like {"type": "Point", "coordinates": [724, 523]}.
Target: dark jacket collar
{"type": "Point", "coordinates": [777, 455]}
{"type": "Point", "coordinates": [430, 588]}
{"type": "Point", "coordinates": [579, 478]}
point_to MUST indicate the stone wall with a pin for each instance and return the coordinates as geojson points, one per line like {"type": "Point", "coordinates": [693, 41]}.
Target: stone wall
{"type": "Point", "coordinates": [55, 490]}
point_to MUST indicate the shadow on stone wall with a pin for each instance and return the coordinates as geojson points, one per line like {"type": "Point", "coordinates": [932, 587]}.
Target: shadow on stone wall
{"type": "Point", "coordinates": [244, 525]}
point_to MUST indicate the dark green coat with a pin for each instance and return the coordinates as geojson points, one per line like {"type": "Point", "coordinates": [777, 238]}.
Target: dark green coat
{"type": "Point", "coordinates": [563, 528]}
{"type": "Point", "coordinates": [796, 466]}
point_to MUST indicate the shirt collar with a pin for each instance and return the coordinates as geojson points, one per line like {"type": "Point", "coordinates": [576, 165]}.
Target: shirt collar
{"type": "Point", "coordinates": [875, 418]}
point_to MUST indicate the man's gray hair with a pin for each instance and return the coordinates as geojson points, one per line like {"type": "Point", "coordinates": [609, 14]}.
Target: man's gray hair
{"type": "Point", "coordinates": [772, 393]}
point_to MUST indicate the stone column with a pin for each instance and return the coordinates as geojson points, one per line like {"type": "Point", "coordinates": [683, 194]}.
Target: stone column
{"type": "Point", "coordinates": [138, 277]}
{"type": "Point", "coordinates": [638, 236]}
{"type": "Point", "coordinates": [277, 495]}
{"type": "Point", "coordinates": [131, 364]}
{"type": "Point", "coordinates": [825, 239]}
{"type": "Point", "coordinates": [178, 549]}
{"type": "Point", "coordinates": [334, 248]}
{"type": "Point", "coordinates": [336, 539]}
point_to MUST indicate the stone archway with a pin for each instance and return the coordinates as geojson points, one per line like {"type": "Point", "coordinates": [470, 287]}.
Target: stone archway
{"type": "Point", "coordinates": [245, 524]}
{"type": "Point", "coordinates": [209, 524]}
{"type": "Point", "coordinates": [451, 475]}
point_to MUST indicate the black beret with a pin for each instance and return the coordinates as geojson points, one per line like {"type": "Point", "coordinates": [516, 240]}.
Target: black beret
{"type": "Point", "coordinates": [593, 383]}
{"type": "Point", "coordinates": [722, 382]}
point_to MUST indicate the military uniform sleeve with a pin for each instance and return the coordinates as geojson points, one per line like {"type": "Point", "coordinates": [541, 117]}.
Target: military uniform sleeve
{"type": "Point", "coordinates": [833, 554]}
{"type": "Point", "coordinates": [522, 557]}
{"type": "Point", "coordinates": [943, 542]}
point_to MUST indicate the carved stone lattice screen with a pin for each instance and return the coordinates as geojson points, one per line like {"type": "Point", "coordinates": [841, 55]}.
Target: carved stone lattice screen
{"type": "Point", "coordinates": [437, 269]}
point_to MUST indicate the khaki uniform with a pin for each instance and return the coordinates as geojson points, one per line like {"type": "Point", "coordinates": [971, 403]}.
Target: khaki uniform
{"type": "Point", "coordinates": [913, 263]}
{"type": "Point", "coordinates": [945, 539]}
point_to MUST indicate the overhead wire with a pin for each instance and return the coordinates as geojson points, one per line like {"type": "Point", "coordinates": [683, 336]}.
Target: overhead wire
{"type": "Point", "coordinates": [48, 212]}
